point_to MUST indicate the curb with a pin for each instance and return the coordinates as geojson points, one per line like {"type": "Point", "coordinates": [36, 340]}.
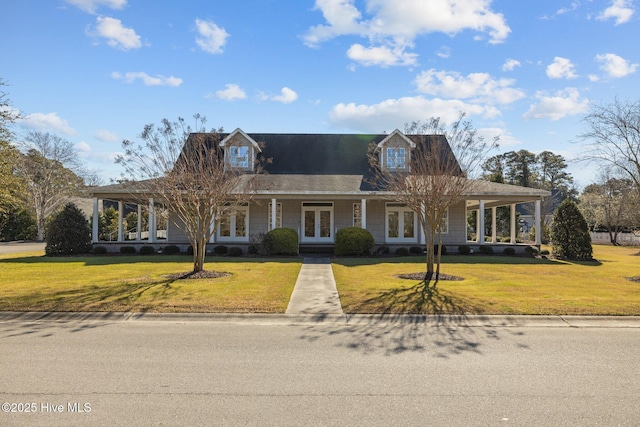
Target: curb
{"type": "Point", "coordinates": [497, 321]}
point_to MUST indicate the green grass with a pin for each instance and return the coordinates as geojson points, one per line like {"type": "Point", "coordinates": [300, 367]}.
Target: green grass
{"type": "Point", "coordinates": [32, 282]}
{"type": "Point", "coordinates": [495, 285]}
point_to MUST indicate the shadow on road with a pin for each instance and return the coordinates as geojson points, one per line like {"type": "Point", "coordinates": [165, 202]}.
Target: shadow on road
{"type": "Point", "coordinates": [436, 325]}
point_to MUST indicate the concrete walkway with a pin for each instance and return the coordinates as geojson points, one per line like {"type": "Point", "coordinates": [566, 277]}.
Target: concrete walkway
{"type": "Point", "coordinates": [315, 291]}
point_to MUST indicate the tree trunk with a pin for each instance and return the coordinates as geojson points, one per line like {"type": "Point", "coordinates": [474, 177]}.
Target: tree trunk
{"type": "Point", "coordinates": [199, 252]}
{"type": "Point", "coordinates": [430, 253]}
{"type": "Point", "coordinates": [40, 223]}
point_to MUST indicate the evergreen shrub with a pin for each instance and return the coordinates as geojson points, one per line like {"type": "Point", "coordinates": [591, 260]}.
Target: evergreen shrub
{"type": "Point", "coordinates": [353, 241]}
{"type": "Point", "coordinates": [280, 241]}
{"type": "Point", "coordinates": [68, 233]}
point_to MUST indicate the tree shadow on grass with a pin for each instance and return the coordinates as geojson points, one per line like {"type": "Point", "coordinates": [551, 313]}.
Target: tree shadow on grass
{"type": "Point", "coordinates": [423, 297]}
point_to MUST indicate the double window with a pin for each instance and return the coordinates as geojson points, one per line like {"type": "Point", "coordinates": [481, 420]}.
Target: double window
{"type": "Point", "coordinates": [235, 225]}
{"type": "Point", "coordinates": [401, 224]}
{"type": "Point", "coordinates": [239, 156]}
{"type": "Point", "coordinates": [396, 158]}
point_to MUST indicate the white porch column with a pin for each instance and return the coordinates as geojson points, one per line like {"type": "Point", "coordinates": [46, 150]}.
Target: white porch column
{"type": "Point", "coordinates": [139, 225]}
{"type": "Point", "coordinates": [514, 230]}
{"type": "Point", "coordinates": [152, 221]}
{"type": "Point", "coordinates": [212, 229]}
{"type": "Point", "coordinates": [95, 221]}
{"type": "Point", "coordinates": [120, 220]}
{"type": "Point", "coordinates": [363, 213]}
{"type": "Point", "coordinates": [274, 214]}
{"type": "Point", "coordinates": [538, 224]}
{"type": "Point", "coordinates": [494, 232]}
{"type": "Point", "coordinates": [481, 223]}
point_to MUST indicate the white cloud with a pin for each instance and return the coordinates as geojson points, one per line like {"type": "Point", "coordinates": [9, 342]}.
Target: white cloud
{"type": "Point", "coordinates": [47, 122]}
{"type": "Point", "coordinates": [561, 68]}
{"type": "Point", "coordinates": [286, 96]}
{"type": "Point", "coordinates": [510, 64]}
{"type": "Point", "coordinates": [444, 52]}
{"type": "Point", "coordinates": [211, 37]}
{"type": "Point", "coordinates": [396, 24]}
{"type": "Point", "coordinates": [91, 6]}
{"type": "Point", "coordinates": [384, 56]}
{"type": "Point", "coordinates": [147, 79]}
{"type": "Point", "coordinates": [394, 113]}
{"type": "Point", "coordinates": [505, 138]}
{"type": "Point", "coordinates": [116, 34]}
{"type": "Point", "coordinates": [615, 66]}
{"type": "Point", "coordinates": [478, 87]}
{"type": "Point", "coordinates": [232, 91]}
{"type": "Point", "coordinates": [564, 103]}
{"type": "Point", "coordinates": [620, 10]}
{"type": "Point", "coordinates": [83, 148]}
{"type": "Point", "coordinates": [105, 136]}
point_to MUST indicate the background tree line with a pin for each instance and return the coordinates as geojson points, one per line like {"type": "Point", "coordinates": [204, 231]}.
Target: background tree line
{"type": "Point", "coordinates": [39, 173]}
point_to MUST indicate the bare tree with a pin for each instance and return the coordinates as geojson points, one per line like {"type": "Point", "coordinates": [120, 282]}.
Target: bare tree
{"type": "Point", "coordinates": [611, 203]}
{"type": "Point", "coordinates": [186, 171]}
{"type": "Point", "coordinates": [48, 169]}
{"type": "Point", "coordinates": [439, 177]}
{"type": "Point", "coordinates": [613, 137]}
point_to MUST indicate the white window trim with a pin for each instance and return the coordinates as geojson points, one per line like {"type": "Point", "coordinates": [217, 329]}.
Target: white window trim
{"type": "Point", "coordinates": [232, 225]}
{"type": "Point", "coordinates": [239, 161]}
{"type": "Point", "coordinates": [396, 156]}
{"type": "Point", "coordinates": [445, 221]}
{"type": "Point", "coordinates": [398, 207]}
{"type": "Point", "coordinates": [357, 207]}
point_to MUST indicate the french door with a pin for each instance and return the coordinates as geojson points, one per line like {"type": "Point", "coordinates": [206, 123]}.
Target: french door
{"type": "Point", "coordinates": [317, 222]}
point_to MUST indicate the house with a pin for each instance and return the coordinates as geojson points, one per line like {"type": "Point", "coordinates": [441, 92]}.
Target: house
{"type": "Point", "coordinates": [317, 184]}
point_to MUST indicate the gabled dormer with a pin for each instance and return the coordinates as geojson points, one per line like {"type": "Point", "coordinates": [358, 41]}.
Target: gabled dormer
{"type": "Point", "coordinates": [240, 151]}
{"type": "Point", "coordinates": [394, 152]}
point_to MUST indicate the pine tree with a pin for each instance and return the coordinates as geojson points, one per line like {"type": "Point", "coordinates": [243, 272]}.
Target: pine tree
{"type": "Point", "coordinates": [68, 233]}
{"type": "Point", "coordinates": [570, 233]}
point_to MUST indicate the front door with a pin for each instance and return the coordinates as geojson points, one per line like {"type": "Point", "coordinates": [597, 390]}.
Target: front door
{"type": "Point", "coordinates": [317, 222]}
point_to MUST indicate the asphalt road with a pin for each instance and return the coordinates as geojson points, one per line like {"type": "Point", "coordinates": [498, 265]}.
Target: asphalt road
{"type": "Point", "coordinates": [19, 247]}
{"type": "Point", "coordinates": [168, 372]}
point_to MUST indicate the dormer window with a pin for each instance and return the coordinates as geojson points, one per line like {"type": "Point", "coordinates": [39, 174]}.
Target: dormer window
{"type": "Point", "coordinates": [395, 158]}
{"type": "Point", "coordinates": [239, 157]}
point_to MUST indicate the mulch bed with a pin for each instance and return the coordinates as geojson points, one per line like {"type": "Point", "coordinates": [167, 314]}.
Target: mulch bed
{"type": "Point", "coordinates": [421, 276]}
{"type": "Point", "coordinates": [198, 275]}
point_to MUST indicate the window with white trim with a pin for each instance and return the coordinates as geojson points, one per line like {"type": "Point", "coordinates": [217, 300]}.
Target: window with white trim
{"type": "Point", "coordinates": [235, 226]}
{"type": "Point", "coordinates": [357, 215]}
{"type": "Point", "coordinates": [278, 215]}
{"type": "Point", "coordinates": [400, 224]}
{"type": "Point", "coordinates": [239, 156]}
{"type": "Point", "coordinates": [444, 222]}
{"type": "Point", "coordinates": [396, 158]}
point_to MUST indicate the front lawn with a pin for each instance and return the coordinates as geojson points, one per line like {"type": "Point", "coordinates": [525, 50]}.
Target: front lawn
{"type": "Point", "coordinates": [135, 283]}
{"type": "Point", "coordinates": [495, 285]}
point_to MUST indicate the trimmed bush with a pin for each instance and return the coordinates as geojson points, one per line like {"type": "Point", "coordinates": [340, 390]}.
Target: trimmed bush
{"type": "Point", "coordinates": [280, 241]}
{"type": "Point", "coordinates": [531, 250]}
{"type": "Point", "coordinates": [402, 252]}
{"type": "Point", "coordinates": [220, 250]}
{"type": "Point", "coordinates": [99, 250]}
{"type": "Point", "coordinates": [483, 249]}
{"type": "Point", "coordinates": [383, 250]}
{"type": "Point", "coordinates": [443, 250]}
{"type": "Point", "coordinates": [509, 251]}
{"type": "Point", "coordinates": [570, 233]}
{"type": "Point", "coordinates": [353, 241]}
{"type": "Point", "coordinates": [147, 250]}
{"type": "Point", "coordinates": [127, 250]}
{"type": "Point", "coordinates": [254, 249]}
{"type": "Point", "coordinates": [545, 252]}
{"type": "Point", "coordinates": [68, 233]}
{"type": "Point", "coordinates": [170, 250]}
{"type": "Point", "coordinates": [235, 251]}
{"type": "Point", "coordinates": [464, 250]}
{"type": "Point", "coordinates": [416, 250]}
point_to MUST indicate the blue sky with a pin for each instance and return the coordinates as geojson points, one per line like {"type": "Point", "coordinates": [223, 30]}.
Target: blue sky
{"type": "Point", "coordinates": [96, 71]}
